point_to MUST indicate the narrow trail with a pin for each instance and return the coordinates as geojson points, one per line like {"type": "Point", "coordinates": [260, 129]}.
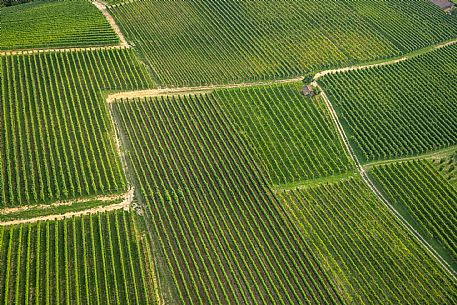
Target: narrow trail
{"type": "Point", "coordinates": [387, 62]}
{"type": "Point", "coordinates": [5, 211]}
{"type": "Point", "coordinates": [378, 194]}
{"type": "Point", "coordinates": [102, 8]}
{"type": "Point", "coordinates": [193, 90]}
{"type": "Point", "coordinates": [125, 204]}
{"type": "Point", "coordinates": [208, 89]}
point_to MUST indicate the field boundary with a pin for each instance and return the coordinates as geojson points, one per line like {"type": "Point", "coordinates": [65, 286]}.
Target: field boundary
{"type": "Point", "coordinates": [125, 204]}
{"type": "Point", "coordinates": [380, 196]}
{"type": "Point", "coordinates": [427, 155]}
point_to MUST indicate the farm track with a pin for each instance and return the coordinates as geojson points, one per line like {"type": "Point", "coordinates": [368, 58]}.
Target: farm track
{"type": "Point", "coordinates": [378, 194]}
{"type": "Point", "coordinates": [125, 204]}
{"type": "Point", "coordinates": [360, 168]}
{"type": "Point", "coordinates": [128, 197]}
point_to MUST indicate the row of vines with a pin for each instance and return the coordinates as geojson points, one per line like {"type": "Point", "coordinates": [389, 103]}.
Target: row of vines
{"type": "Point", "coordinates": [55, 141]}
{"type": "Point", "coordinates": [423, 196]}
{"type": "Point", "coordinates": [293, 135]}
{"type": "Point", "coordinates": [206, 42]}
{"type": "Point", "coordinates": [96, 259]}
{"type": "Point", "coordinates": [219, 234]}
{"type": "Point", "coordinates": [398, 110]}
{"type": "Point", "coordinates": [41, 24]}
{"type": "Point", "coordinates": [372, 258]}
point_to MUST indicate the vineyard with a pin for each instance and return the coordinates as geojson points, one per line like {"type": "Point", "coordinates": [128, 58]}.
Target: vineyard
{"type": "Point", "coordinates": [398, 110]}
{"type": "Point", "coordinates": [234, 41]}
{"type": "Point", "coordinates": [425, 198]}
{"type": "Point", "coordinates": [221, 235]}
{"type": "Point", "coordinates": [55, 126]}
{"type": "Point", "coordinates": [72, 23]}
{"type": "Point", "coordinates": [293, 135]}
{"type": "Point", "coordinates": [447, 166]}
{"type": "Point", "coordinates": [410, 25]}
{"type": "Point", "coordinates": [370, 256]}
{"type": "Point", "coordinates": [159, 152]}
{"type": "Point", "coordinates": [98, 259]}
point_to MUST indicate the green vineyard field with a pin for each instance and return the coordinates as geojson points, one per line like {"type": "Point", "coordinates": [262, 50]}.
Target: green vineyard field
{"type": "Point", "coordinates": [398, 110]}
{"type": "Point", "coordinates": [447, 166]}
{"type": "Point", "coordinates": [56, 138]}
{"type": "Point", "coordinates": [96, 259]}
{"type": "Point", "coordinates": [294, 136]}
{"type": "Point", "coordinates": [221, 235]}
{"type": "Point", "coordinates": [425, 198]}
{"type": "Point", "coordinates": [74, 23]}
{"type": "Point", "coordinates": [369, 255]}
{"type": "Point", "coordinates": [289, 152]}
{"type": "Point", "coordinates": [235, 41]}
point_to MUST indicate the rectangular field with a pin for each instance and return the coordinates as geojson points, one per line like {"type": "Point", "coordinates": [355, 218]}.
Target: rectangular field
{"type": "Point", "coordinates": [221, 237]}
{"type": "Point", "coordinates": [364, 249]}
{"type": "Point", "coordinates": [294, 137]}
{"type": "Point", "coordinates": [46, 24]}
{"type": "Point", "coordinates": [55, 135]}
{"type": "Point", "coordinates": [95, 259]}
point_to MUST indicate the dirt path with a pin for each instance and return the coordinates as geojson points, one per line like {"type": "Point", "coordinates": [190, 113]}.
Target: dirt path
{"type": "Point", "coordinates": [125, 204]}
{"type": "Point", "coordinates": [5, 211]}
{"type": "Point", "coordinates": [102, 8]}
{"type": "Point", "coordinates": [384, 63]}
{"type": "Point", "coordinates": [346, 69]}
{"type": "Point", "coordinates": [378, 194]}
{"type": "Point", "coordinates": [192, 90]}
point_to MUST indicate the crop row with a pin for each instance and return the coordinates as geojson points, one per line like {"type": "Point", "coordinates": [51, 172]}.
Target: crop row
{"type": "Point", "coordinates": [95, 259]}
{"type": "Point", "coordinates": [54, 24]}
{"type": "Point", "coordinates": [410, 25]}
{"type": "Point", "coordinates": [220, 235]}
{"type": "Point", "coordinates": [232, 41]}
{"type": "Point", "coordinates": [293, 136]}
{"type": "Point", "coordinates": [447, 166]}
{"type": "Point", "coordinates": [374, 259]}
{"type": "Point", "coordinates": [235, 41]}
{"type": "Point", "coordinates": [425, 196]}
{"type": "Point", "coordinates": [55, 127]}
{"type": "Point", "coordinates": [403, 109]}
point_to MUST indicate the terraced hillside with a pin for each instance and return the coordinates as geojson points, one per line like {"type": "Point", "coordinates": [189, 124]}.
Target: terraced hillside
{"type": "Point", "coordinates": [56, 138]}
{"type": "Point", "coordinates": [48, 24]}
{"type": "Point", "coordinates": [404, 109]}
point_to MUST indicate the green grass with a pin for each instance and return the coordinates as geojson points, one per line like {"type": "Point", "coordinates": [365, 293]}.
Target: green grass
{"type": "Point", "coordinates": [46, 24]}
{"type": "Point", "coordinates": [367, 253]}
{"type": "Point", "coordinates": [294, 137]}
{"type": "Point", "coordinates": [400, 110]}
